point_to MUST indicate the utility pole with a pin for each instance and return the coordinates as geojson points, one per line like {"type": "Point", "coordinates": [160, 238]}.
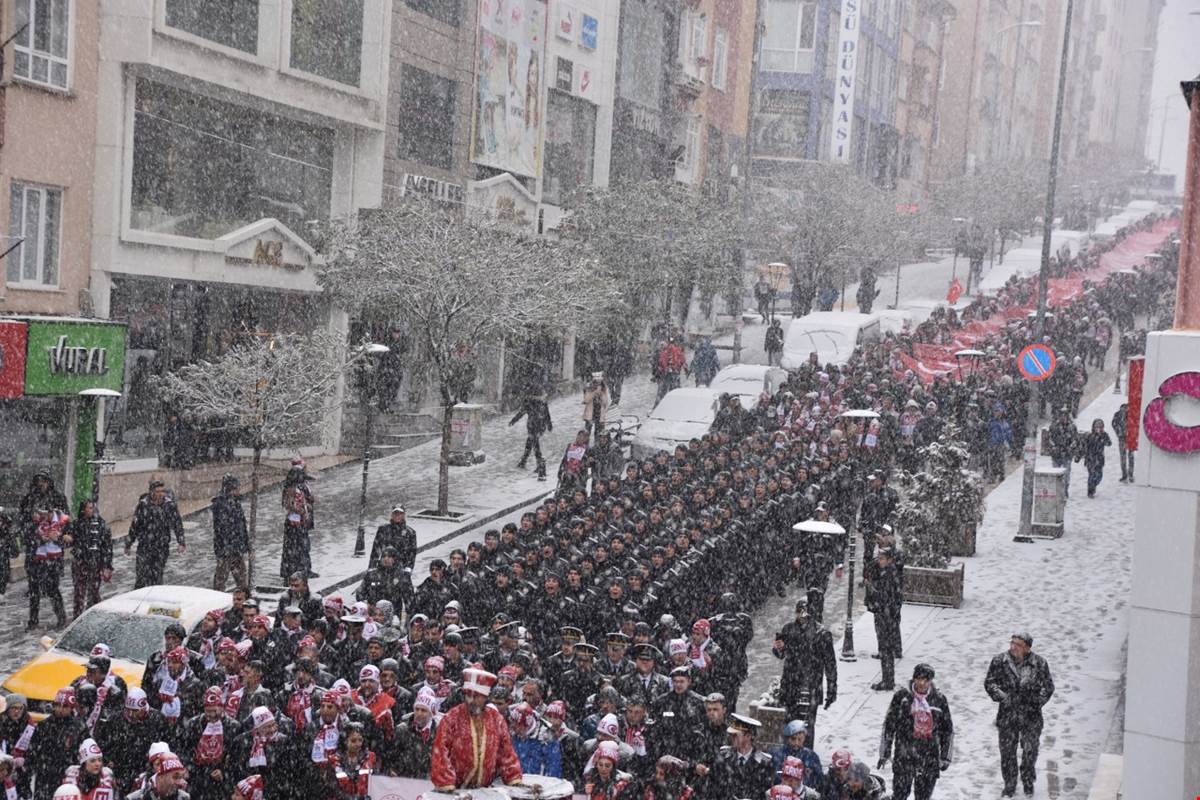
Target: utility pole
{"type": "Point", "coordinates": [1031, 420]}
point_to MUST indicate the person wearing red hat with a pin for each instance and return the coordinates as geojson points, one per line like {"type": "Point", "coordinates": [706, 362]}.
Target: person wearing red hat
{"type": "Point", "coordinates": [707, 658]}
{"type": "Point", "coordinates": [605, 781]}
{"type": "Point", "coordinates": [263, 749]}
{"type": "Point", "coordinates": [792, 775]}
{"type": "Point", "coordinates": [126, 738]}
{"type": "Point", "coordinates": [434, 683]}
{"type": "Point", "coordinates": [54, 744]}
{"type": "Point", "coordinates": [169, 781]}
{"type": "Point", "coordinates": [203, 744]}
{"type": "Point", "coordinates": [177, 693]}
{"type": "Point", "coordinates": [472, 745]}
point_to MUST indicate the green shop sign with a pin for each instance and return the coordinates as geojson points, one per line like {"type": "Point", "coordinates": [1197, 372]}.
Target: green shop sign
{"type": "Point", "coordinates": [64, 357]}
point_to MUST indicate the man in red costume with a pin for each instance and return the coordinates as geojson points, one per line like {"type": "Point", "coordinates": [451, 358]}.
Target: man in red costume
{"type": "Point", "coordinates": [472, 742]}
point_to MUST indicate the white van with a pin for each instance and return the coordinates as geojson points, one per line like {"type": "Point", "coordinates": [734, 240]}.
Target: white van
{"type": "Point", "coordinates": [833, 335]}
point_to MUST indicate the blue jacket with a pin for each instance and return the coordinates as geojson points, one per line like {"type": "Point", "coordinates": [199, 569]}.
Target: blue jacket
{"type": "Point", "coordinates": [532, 755]}
{"type": "Point", "coordinates": [999, 432]}
{"type": "Point", "coordinates": [814, 773]}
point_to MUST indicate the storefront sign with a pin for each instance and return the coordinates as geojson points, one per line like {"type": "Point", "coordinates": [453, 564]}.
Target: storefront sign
{"type": "Point", "coordinates": [64, 358]}
{"type": "Point", "coordinates": [13, 337]}
{"type": "Point", "coordinates": [843, 88]}
{"type": "Point", "coordinates": [645, 120]}
{"type": "Point", "coordinates": [1159, 427]}
{"type": "Point", "coordinates": [421, 186]}
{"type": "Point", "coordinates": [564, 79]}
{"type": "Point", "coordinates": [567, 16]}
{"type": "Point", "coordinates": [589, 32]}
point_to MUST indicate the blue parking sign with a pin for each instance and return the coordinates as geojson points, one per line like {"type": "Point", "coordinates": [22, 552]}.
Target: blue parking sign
{"type": "Point", "coordinates": [589, 32]}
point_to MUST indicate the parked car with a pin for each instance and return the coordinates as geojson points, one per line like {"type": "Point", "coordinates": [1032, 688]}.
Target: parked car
{"type": "Point", "coordinates": [748, 381]}
{"type": "Point", "coordinates": [682, 415]}
{"type": "Point", "coordinates": [833, 335]}
{"type": "Point", "coordinates": [132, 624]}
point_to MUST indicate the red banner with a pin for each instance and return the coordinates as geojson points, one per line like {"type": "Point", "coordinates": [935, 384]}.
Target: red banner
{"type": "Point", "coordinates": [13, 336]}
{"type": "Point", "coordinates": [1133, 414]}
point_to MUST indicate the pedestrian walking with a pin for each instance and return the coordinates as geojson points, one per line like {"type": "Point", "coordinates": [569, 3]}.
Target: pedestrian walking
{"type": "Point", "coordinates": [762, 297]}
{"type": "Point", "coordinates": [1019, 682]}
{"type": "Point", "coordinates": [391, 368]}
{"type": "Point", "coordinates": [537, 422]}
{"type": "Point", "coordinates": [298, 521]}
{"type": "Point", "coordinates": [1091, 450]}
{"type": "Point", "coordinates": [918, 736]}
{"type": "Point", "coordinates": [42, 494]}
{"type": "Point", "coordinates": [809, 667]}
{"type": "Point", "coordinates": [669, 364]}
{"type": "Point", "coordinates": [1000, 440]}
{"type": "Point", "coordinates": [231, 540]}
{"type": "Point", "coordinates": [885, 598]}
{"type": "Point", "coordinates": [595, 404]}
{"type": "Point", "coordinates": [155, 520]}
{"type": "Point", "coordinates": [91, 548]}
{"type": "Point", "coordinates": [773, 342]}
{"type": "Point", "coordinates": [45, 540]}
{"type": "Point", "coordinates": [705, 362]}
{"type": "Point", "coordinates": [1120, 430]}
{"type": "Point", "coordinates": [866, 294]}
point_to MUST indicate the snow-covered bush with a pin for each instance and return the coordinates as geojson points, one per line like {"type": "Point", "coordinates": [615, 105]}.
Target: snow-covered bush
{"type": "Point", "coordinates": [938, 503]}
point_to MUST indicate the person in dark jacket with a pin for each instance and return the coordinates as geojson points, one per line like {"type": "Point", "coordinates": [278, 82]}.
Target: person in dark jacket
{"type": "Point", "coordinates": [203, 744]}
{"type": "Point", "coordinates": [386, 582]}
{"type": "Point", "coordinates": [42, 494]}
{"type": "Point", "coordinates": [91, 545]}
{"type": "Point", "coordinates": [742, 770]}
{"type": "Point", "coordinates": [773, 341]}
{"type": "Point", "coordinates": [537, 423]}
{"type": "Point", "coordinates": [809, 666]}
{"type": "Point", "coordinates": [1091, 450]}
{"type": "Point", "coordinates": [885, 597]}
{"type": "Point", "coordinates": [54, 743]}
{"type": "Point", "coordinates": [231, 541]}
{"type": "Point", "coordinates": [396, 533]}
{"type": "Point", "coordinates": [918, 735]}
{"type": "Point", "coordinates": [299, 519]}
{"type": "Point", "coordinates": [705, 362]}
{"type": "Point", "coordinates": [1019, 681]}
{"type": "Point", "coordinates": [1120, 428]}
{"type": "Point", "coordinates": [155, 520]}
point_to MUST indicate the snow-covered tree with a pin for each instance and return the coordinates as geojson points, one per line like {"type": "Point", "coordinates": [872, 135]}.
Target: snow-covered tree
{"type": "Point", "coordinates": [265, 392]}
{"type": "Point", "coordinates": [937, 503]}
{"type": "Point", "coordinates": [1002, 197]}
{"type": "Point", "coordinates": [461, 284]}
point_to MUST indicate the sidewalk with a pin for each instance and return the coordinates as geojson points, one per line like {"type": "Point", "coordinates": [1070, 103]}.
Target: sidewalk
{"type": "Point", "coordinates": [1069, 594]}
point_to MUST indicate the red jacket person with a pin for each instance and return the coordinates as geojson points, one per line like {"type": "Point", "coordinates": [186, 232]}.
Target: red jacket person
{"type": "Point", "coordinates": [472, 742]}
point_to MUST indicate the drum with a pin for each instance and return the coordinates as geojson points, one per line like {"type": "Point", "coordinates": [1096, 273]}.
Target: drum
{"type": "Point", "coordinates": [541, 787]}
{"type": "Point", "coordinates": [487, 793]}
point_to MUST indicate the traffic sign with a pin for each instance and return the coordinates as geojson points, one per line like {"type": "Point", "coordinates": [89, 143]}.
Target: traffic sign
{"type": "Point", "coordinates": [1036, 362]}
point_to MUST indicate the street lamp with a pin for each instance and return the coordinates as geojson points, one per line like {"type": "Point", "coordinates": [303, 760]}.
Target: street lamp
{"type": "Point", "coordinates": [369, 353]}
{"type": "Point", "coordinates": [101, 436]}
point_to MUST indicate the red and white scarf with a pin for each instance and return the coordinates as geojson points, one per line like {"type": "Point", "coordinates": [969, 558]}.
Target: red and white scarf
{"type": "Point", "coordinates": [210, 750]}
{"type": "Point", "coordinates": [325, 744]}
{"type": "Point", "coordinates": [258, 749]}
{"type": "Point", "coordinates": [922, 716]}
{"type": "Point", "coordinates": [299, 706]}
{"type": "Point", "coordinates": [168, 693]}
{"type": "Point", "coordinates": [101, 695]}
{"type": "Point", "coordinates": [698, 656]}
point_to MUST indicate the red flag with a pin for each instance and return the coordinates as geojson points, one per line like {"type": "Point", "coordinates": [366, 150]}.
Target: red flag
{"type": "Point", "coordinates": [955, 292]}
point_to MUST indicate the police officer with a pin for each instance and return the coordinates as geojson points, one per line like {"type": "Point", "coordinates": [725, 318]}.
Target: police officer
{"type": "Point", "coordinates": [581, 682]}
{"type": "Point", "coordinates": [809, 667]}
{"type": "Point", "coordinates": [645, 683]}
{"type": "Point", "coordinates": [155, 520]}
{"type": "Point", "coordinates": [885, 597]}
{"type": "Point", "coordinates": [742, 769]}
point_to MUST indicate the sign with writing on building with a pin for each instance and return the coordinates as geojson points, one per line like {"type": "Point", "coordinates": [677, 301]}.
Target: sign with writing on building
{"type": "Point", "coordinates": [583, 82]}
{"type": "Point", "coordinates": [64, 358]}
{"type": "Point", "coordinates": [421, 186]}
{"type": "Point", "coordinates": [589, 32]}
{"type": "Point", "coordinates": [564, 79]}
{"type": "Point", "coordinates": [568, 22]}
{"type": "Point", "coordinates": [13, 337]}
{"type": "Point", "coordinates": [840, 144]}
{"type": "Point", "coordinates": [267, 243]}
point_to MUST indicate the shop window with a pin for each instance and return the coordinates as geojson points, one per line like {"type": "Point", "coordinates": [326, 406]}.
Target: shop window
{"type": "Point", "coordinates": [570, 145]}
{"type": "Point", "coordinates": [35, 215]}
{"type": "Point", "coordinates": [204, 167]}
{"type": "Point", "coordinates": [426, 118]}
{"type": "Point", "coordinates": [327, 38]}
{"type": "Point", "coordinates": [447, 11]}
{"type": "Point", "coordinates": [41, 48]}
{"type": "Point", "coordinates": [35, 438]}
{"type": "Point", "coordinates": [232, 23]}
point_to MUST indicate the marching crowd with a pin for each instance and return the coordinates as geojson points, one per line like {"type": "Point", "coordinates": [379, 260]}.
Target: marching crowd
{"type": "Point", "coordinates": [601, 640]}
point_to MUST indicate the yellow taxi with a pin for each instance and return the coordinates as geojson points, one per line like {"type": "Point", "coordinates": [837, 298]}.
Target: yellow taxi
{"type": "Point", "coordinates": [131, 624]}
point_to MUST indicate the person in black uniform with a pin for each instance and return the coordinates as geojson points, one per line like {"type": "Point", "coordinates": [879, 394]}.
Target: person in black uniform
{"type": "Point", "coordinates": [645, 683]}
{"type": "Point", "coordinates": [91, 544]}
{"type": "Point", "coordinates": [809, 667]}
{"type": "Point", "coordinates": [742, 769]}
{"type": "Point", "coordinates": [885, 597]}
{"type": "Point", "coordinates": [559, 664]}
{"type": "Point", "coordinates": [155, 520]}
{"type": "Point", "coordinates": [582, 682]}
{"type": "Point", "coordinates": [918, 723]}
{"type": "Point", "coordinates": [615, 663]}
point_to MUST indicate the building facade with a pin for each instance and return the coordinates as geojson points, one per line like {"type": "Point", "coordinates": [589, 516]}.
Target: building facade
{"type": "Point", "coordinates": [918, 113]}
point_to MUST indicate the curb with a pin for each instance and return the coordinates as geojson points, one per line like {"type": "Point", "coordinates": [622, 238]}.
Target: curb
{"type": "Point", "coordinates": [454, 534]}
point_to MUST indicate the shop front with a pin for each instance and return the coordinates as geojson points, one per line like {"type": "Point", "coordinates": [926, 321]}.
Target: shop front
{"type": "Point", "coordinates": [46, 363]}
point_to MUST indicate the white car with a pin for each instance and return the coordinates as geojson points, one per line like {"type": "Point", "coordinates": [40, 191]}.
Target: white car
{"type": "Point", "coordinates": [748, 381]}
{"type": "Point", "coordinates": [682, 415]}
{"type": "Point", "coordinates": [132, 624]}
{"type": "Point", "coordinates": [833, 335]}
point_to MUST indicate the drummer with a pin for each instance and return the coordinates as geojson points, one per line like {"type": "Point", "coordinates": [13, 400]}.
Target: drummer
{"type": "Point", "coordinates": [472, 745]}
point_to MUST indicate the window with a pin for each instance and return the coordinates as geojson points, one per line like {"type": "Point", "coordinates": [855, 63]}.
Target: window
{"type": "Point", "coordinates": [688, 168]}
{"type": "Point", "coordinates": [720, 72]}
{"type": "Point", "coordinates": [693, 42]}
{"type": "Point", "coordinates": [570, 145]}
{"type": "Point", "coordinates": [426, 118]}
{"type": "Point", "coordinates": [787, 45]}
{"type": "Point", "coordinates": [204, 167]}
{"type": "Point", "coordinates": [232, 23]}
{"type": "Point", "coordinates": [40, 54]}
{"type": "Point", "coordinates": [447, 11]}
{"type": "Point", "coordinates": [34, 213]}
{"type": "Point", "coordinates": [327, 38]}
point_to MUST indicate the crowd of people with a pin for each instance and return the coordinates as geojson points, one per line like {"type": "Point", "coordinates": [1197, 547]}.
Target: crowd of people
{"type": "Point", "coordinates": [601, 640]}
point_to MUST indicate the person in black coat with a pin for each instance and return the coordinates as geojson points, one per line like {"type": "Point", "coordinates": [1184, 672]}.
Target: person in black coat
{"type": "Point", "coordinates": [91, 545]}
{"type": "Point", "coordinates": [742, 770]}
{"type": "Point", "coordinates": [918, 735]}
{"type": "Point", "coordinates": [809, 667]}
{"type": "Point", "coordinates": [264, 749]}
{"type": "Point", "coordinates": [203, 744]}
{"type": "Point", "coordinates": [396, 533]}
{"type": "Point", "coordinates": [386, 582]}
{"type": "Point", "coordinates": [54, 744]}
{"type": "Point", "coordinates": [1019, 681]}
{"type": "Point", "coordinates": [537, 423]}
{"type": "Point", "coordinates": [885, 598]}
{"type": "Point", "coordinates": [42, 494]}
{"type": "Point", "coordinates": [434, 592]}
{"type": "Point", "coordinates": [231, 539]}
{"type": "Point", "coordinates": [1091, 450]}
{"type": "Point", "coordinates": [126, 739]}
{"type": "Point", "coordinates": [878, 505]}
{"type": "Point", "coordinates": [155, 520]}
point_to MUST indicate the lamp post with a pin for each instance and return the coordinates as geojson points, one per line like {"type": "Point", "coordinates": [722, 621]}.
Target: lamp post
{"type": "Point", "coordinates": [1025, 527]}
{"type": "Point", "coordinates": [367, 369]}
{"type": "Point", "coordinates": [101, 436]}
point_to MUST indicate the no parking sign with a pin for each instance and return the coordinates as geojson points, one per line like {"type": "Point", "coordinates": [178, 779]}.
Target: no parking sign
{"type": "Point", "coordinates": [1036, 362]}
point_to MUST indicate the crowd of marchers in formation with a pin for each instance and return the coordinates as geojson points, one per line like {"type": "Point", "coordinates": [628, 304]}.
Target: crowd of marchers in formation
{"type": "Point", "coordinates": [615, 618]}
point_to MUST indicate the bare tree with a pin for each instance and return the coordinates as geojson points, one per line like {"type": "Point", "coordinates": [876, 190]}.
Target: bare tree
{"type": "Point", "coordinates": [460, 283]}
{"type": "Point", "coordinates": [265, 391]}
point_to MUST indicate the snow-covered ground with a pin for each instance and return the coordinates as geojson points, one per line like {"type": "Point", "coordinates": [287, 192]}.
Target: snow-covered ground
{"type": "Point", "coordinates": [1071, 594]}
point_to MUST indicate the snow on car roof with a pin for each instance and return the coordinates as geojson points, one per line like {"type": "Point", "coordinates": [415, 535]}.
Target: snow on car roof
{"type": "Point", "coordinates": [182, 602]}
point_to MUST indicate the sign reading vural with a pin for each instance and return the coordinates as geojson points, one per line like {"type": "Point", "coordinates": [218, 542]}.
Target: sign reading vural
{"type": "Point", "coordinates": [64, 357]}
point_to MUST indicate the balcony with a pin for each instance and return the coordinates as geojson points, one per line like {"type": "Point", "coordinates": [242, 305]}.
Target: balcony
{"type": "Point", "coordinates": [689, 86]}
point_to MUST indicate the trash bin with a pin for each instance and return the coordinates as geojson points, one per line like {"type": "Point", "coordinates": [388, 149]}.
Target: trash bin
{"type": "Point", "coordinates": [466, 435]}
{"type": "Point", "coordinates": [1049, 501]}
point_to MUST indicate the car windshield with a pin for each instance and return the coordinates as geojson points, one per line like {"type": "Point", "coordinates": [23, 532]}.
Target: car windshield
{"type": "Point", "coordinates": [738, 378]}
{"type": "Point", "coordinates": [132, 637]}
{"type": "Point", "coordinates": [683, 408]}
